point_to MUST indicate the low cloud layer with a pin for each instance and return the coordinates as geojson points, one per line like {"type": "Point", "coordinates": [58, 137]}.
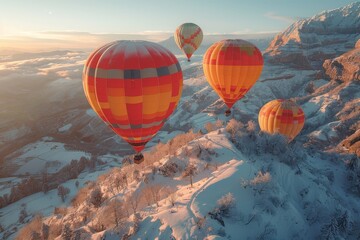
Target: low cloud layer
{"type": "Point", "coordinates": [32, 86]}
{"type": "Point", "coordinates": [45, 41]}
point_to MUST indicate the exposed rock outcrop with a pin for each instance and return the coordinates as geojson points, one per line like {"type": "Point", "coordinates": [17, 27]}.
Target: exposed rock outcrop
{"type": "Point", "coordinates": [352, 143]}
{"type": "Point", "coordinates": [345, 67]}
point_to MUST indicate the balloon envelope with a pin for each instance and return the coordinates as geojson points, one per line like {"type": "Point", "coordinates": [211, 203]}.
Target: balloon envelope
{"type": "Point", "coordinates": [282, 116]}
{"type": "Point", "coordinates": [232, 67]}
{"type": "Point", "coordinates": [133, 86]}
{"type": "Point", "coordinates": [188, 37]}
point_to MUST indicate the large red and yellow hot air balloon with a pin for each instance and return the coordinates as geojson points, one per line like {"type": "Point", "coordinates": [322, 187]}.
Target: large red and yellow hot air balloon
{"type": "Point", "coordinates": [188, 37]}
{"type": "Point", "coordinates": [282, 116]}
{"type": "Point", "coordinates": [133, 86]}
{"type": "Point", "coordinates": [232, 67]}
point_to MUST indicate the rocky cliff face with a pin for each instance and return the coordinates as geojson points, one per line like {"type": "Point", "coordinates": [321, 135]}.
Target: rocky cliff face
{"type": "Point", "coordinates": [340, 99]}
{"type": "Point", "coordinates": [308, 42]}
{"type": "Point", "coordinates": [328, 43]}
{"type": "Point", "coordinates": [345, 67]}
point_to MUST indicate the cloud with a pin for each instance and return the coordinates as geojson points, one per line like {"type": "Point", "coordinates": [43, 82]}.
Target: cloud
{"type": "Point", "coordinates": [62, 64]}
{"type": "Point", "coordinates": [39, 84]}
{"type": "Point", "coordinates": [45, 41]}
{"type": "Point", "coordinates": [275, 16]}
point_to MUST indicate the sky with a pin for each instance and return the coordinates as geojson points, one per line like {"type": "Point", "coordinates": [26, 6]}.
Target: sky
{"type": "Point", "coordinates": [31, 19]}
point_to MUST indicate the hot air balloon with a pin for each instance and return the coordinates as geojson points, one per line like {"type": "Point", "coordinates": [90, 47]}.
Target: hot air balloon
{"type": "Point", "coordinates": [133, 86]}
{"type": "Point", "coordinates": [282, 116]}
{"type": "Point", "coordinates": [188, 37]}
{"type": "Point", "coordinates": [232, 67]}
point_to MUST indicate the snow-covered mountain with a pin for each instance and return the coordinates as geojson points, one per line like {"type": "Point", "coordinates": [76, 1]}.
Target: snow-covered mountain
{"type": "Point", "coordinates": [302, 190]}
{"type": "Point", "coordinates": [308, 42]}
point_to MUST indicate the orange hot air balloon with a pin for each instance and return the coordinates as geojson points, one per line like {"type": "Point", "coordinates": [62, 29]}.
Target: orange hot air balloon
{"type": "Point", "coordinates": [188, 37]}
{"type": "Point", "coordinates": [232, 67]}
{"type": "Point", "coordinates": [133, 86]}
{"type": "Point", "coordinates": [282, 116]}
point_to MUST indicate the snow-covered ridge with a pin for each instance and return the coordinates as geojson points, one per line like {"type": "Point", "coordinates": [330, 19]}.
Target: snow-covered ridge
{"type": "Point", "coordinates": [338, 21]}
{"type": "Point", "coordinates": [308, 41]}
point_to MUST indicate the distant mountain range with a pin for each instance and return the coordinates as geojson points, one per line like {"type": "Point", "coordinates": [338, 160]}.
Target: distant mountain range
{"type": "Point", "coordinates": [261, 40]}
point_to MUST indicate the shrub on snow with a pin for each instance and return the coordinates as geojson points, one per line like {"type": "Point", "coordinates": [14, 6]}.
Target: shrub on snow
{"type": "Point", "coordinates": [225, 204]}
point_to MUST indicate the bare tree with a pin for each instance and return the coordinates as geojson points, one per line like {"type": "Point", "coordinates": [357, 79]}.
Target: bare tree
{"type": "Point", "coordinates": [66, 232]}
{"type": "Point", "coordinates": [172, 199]}
{"type": "Point", "coordinates": [121, 180]}
{"type": "Point", "coordinates": [310, 88]}
{"type": "Point", "coordinates": [225, 204]}
{"type": "Point", "coordinates": [133, 200]}
{"type": "Point", "coordinates": [172, 196]}
{"type": "Point", "coordinates": [81, 196]}
{"type": "Point", "coordinates": [45, 231]}
{"type": "Point", "coordinates": [63, 192]}
{"type": "Point", "coordinates": [219, 124]}
{"type": "Point", "coordinates": [251, 126]}
{"type": "Point", "coordinates": [155, 193]}
{"type": "Point", "coordinates": [209, 127]}
{"type": "Point", "coordinates": [96, 197]}
{"type": "Point", "coordinates": [116, 207]}
{"type": "Point", "coordinates": [147, 195]}
{"type": "Point", "coordinates": [125, 179]}
{"type": "Point", "coordinates": [136, 175]}
{"type": "Point", "coordinates": [200, 222]}
{"type": "Point", "coordinates": [233, 127]}
{"type": "Point", "coordinates": [190, 171]}
{"type": "Point", "coordinates": [35, 236]}
{"type": "Point", "coordinates": [172, 147]}
{"type": "Point", "coordinates": [31, 230]}
{"type": "Point", "coordinates": [45, 180]}
{"type": "Point", "coordinates": [260, 178]}
{"type": "Point", "coordinates": [23, 213]}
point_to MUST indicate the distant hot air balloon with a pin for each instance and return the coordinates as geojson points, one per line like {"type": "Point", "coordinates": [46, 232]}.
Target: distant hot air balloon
{"type": "Point", "coordinates": [133, 86]}
{"type": "Point", "coordinates": [282, 116]}
{"type": "Point", "coordinates": [232, 67]}
{"type": "Point", "coordinates": [188, 37]}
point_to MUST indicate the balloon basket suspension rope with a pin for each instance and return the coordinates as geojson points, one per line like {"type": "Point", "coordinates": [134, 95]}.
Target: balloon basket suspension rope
{"type": "Point", "coordinates": [138, 158]}
{"type": "Point", "coordinates": [228, 112]}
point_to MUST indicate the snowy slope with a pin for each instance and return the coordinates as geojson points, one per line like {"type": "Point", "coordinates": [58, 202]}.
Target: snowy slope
{"type": "Point", "coordinates": [291, 203]}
